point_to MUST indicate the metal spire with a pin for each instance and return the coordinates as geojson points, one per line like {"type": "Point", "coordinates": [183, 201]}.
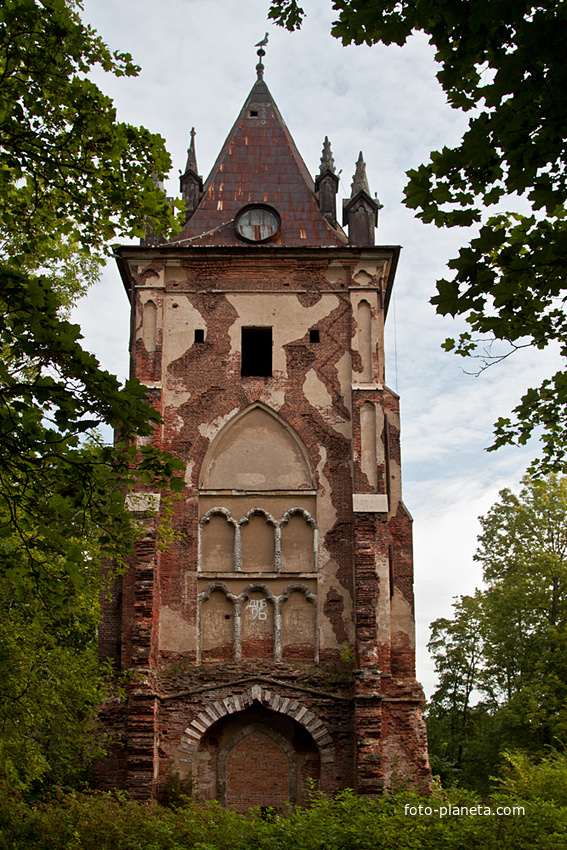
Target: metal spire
{"type": "Point", "coordinates": [261, 52]}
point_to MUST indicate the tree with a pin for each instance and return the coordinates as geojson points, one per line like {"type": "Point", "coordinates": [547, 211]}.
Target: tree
{"type": "Point", "coordinates": [456, 646]}
{"type": "Point", "coordinates": [523, 551]}
{"type": "Point", "coordinates": [52, 486]}
{"type": "Point", "coordinates": [50, 688]}
{"type": "Point", "coordinates": [71, 178]}
{"type": "Point", "coordinates": [460, 726]}
{"type": "Point", "coordinates": [502, 62]}
{"type": "Point", "coordinates": [508, 643]}
{"type": "Point", "coordinates": [68, 167]}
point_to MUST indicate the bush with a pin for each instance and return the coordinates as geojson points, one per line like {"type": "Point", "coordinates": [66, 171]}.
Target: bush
{"type": "Point", "coordinates": [72, 821]}
{"type": "Point", "coordinates": [544, 780]}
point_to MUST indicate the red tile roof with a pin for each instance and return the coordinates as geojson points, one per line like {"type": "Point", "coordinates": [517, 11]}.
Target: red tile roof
{"type": "Point", "coordinates": [259, 163]}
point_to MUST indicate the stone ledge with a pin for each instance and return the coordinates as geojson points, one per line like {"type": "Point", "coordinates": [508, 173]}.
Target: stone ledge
{"type": "Point", "coordinates": [371, 503]}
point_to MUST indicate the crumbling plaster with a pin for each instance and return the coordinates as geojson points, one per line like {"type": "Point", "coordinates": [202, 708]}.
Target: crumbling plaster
{"type": "Point", "coordinates": [289, 319]}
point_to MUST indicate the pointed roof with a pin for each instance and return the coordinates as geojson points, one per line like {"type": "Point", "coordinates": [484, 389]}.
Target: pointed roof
{"type": "Point", "coordinates": [327, 159]}
{"type": "Point", "coordinates": [191, 155]}
{"type": "Point", "coordinates": [359, 180]}
{"type": "Point", "coordinates": [260, 164]}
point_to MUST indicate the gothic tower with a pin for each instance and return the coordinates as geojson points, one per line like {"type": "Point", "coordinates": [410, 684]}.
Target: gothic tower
{"type": "Point", "coordinates": [273, 638]}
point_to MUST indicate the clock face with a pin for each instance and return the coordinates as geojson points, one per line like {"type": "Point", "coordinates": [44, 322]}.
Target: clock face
{"type": "Point", "coordinates": [257, 223]}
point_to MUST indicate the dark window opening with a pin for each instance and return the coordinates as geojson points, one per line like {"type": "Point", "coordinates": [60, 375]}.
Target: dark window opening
{"type": "Point", "coordinates": [253, 113]}
{"type": "Point", "coordinates": [199, 335]}
{"type": "Point", "coordinates": [314, 335]}
{"type": "Point", "coordinates": [256, 352]}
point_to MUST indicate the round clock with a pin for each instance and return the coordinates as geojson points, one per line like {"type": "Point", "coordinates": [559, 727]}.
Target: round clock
{"type": "Point", "coordinates": [257, 223]}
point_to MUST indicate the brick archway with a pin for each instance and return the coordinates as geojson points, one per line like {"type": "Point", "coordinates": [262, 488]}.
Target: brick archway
{"type": "Point", "coordinates": [220, 708]}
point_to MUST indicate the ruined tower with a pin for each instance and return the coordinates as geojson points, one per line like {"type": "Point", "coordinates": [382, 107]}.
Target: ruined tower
{"type": "Point", "coordinates": [273, 637]}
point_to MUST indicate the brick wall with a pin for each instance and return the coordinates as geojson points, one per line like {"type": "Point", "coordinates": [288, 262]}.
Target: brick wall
{"type": "Point", "coordinates": [361, 694]}
{"type": "Point", "coordinates": [256, 774]}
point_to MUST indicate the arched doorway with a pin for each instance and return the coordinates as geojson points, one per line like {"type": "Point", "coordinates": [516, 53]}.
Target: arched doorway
{"type": "Point", "coordinates": [256, 757]}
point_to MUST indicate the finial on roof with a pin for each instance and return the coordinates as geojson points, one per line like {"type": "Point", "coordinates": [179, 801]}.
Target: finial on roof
{"type": "Point", "coordinates": [359, 180]}
{"type": "Point", "coordinates": [261, 52]}
{"type": "Point", "coordinates": [360, 212]}
{"type": "Point", "coordinates": [191, 183]}
{"type": "Point", "coordinates": [327, 160]}
{"type": "Point", "coordinates": [191, 155]}
{"type": "Point", "coordinates": [327, 184]}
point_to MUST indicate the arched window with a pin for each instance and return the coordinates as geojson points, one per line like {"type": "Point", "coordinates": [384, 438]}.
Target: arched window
{"type": "Point", "coordinates": [364, 336]}
{"type": "Point", "coordinates": [149, 326]}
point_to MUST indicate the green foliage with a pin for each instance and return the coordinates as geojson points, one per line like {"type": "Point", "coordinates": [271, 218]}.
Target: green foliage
{"type": "Point", "coordinates": [546, 779]}
{"type": "Point", "coordinates": [50, 689]}
{"type": "Point", "coordinates": [62, 513]}
{"type": "Point", "coordinates": [287, 13]}
{"type": "Point", "coordinates": [68, 167]}
{"type": "Point", "coordinates": [505, 649]}
{"type": "Point", "coordinates": [71, 178]}
{"type": "Point", "coordinates": [462, 735]}
{"type": "Point", "coordinates": [502, 63]}
{"type": "Point", "coordinates": [346, 822]}
{"type": "Point", "coordinates": [465, 755]}
{"type": "Point", "coordinates": [53, 489]}
{"type": "Point", "coordinates": [176, 792]}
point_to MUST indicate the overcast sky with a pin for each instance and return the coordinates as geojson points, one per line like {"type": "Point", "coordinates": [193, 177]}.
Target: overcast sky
{"type": "Point", "coordinates": [198, 64]}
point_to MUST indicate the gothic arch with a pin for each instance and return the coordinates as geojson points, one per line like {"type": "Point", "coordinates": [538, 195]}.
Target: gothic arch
{"type": "Point", "coordinates": [301, 511]}
{"type": "Point", "coordinates": [299, 588]}
{"type": "Point", "coordinates": [283, 623]}
{"type": "Point", "coordinates": [257, 510]}
{"type": "Point", "coordinates": [149, 326]}
{"type": "Point", "coordinates": [368, 452]}
{"type": "Point", "coordinates": [257, 585]}
{"type": "Point", "coordinates": [234, 703]}
{"type": "Point", "coordinates": [213, 512]}
{"type": "Point", "coordinates": [215, 587]}
{"type": "Point", "coordinates": [234, 555]}
{"type": "Point", "coordinates": [257, 450]}
{"type": "Point", "coordinates": [310, 521]}
{"type": "Point", "coordinates": [237, 526]}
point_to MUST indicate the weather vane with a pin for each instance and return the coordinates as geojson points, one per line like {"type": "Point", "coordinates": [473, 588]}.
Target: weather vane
{"type": "Point", "coordinates": [261, 52]}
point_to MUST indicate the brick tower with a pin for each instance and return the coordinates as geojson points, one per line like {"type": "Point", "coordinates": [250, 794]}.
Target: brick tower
{"type": "Point", "coordinates": [274, 638]}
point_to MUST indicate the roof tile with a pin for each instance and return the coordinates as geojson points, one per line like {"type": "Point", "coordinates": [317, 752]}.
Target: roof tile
{"type": "Point", "coordinates": [259, 163]}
